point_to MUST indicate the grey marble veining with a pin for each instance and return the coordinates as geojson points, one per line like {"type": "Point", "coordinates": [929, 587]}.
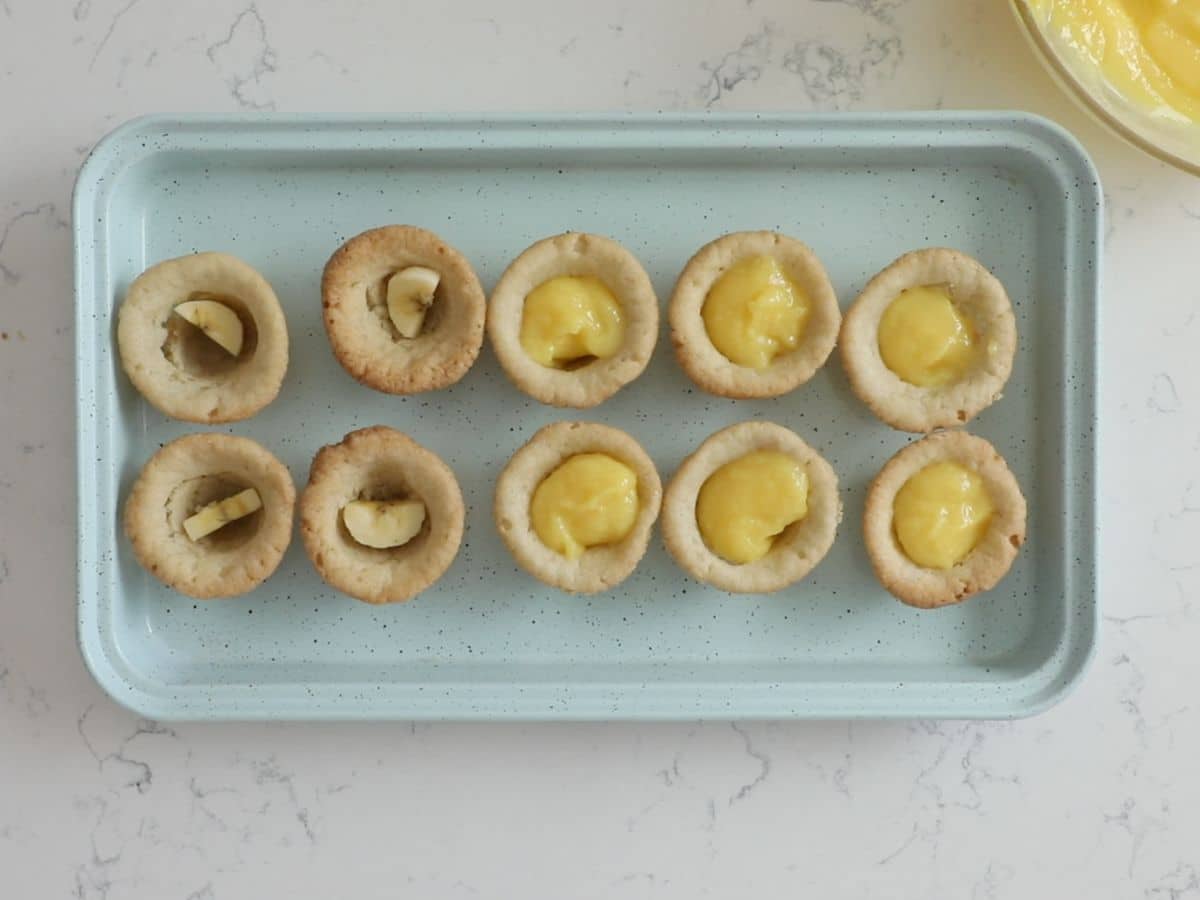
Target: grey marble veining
{"type": "Point", "coordinates": [1099, 797]}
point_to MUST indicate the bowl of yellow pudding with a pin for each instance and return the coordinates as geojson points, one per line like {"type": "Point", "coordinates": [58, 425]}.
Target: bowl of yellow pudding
{"type": "Point", "coordinates": [1134, 65]}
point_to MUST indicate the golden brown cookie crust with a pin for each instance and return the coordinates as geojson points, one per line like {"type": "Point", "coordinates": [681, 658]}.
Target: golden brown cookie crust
{"type": "Point", "coordinates": [189, 473]}
{"type": "Point", "coordinates": [705, 364]}
{"type": "Point", "coordinates": [795, 552]}
{"type": "Point", "coordinates": [976, 292]}
{"type": "Point", "coordinates": [599, 568]}
{"type": "Point", "coordinates": [354, 296]}
{"type": "Point", "coordinates": [578, 254]}
{"type": "Point", "coordinates": [175, 366]}
{"type": "Point", "coordinates": [985, 565]}
{"type": "Point", "coordinates": [380, 463]}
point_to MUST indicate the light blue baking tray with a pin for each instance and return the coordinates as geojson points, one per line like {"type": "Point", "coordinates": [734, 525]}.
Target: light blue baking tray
{"type": "Point", "coordinates": [489, 642]}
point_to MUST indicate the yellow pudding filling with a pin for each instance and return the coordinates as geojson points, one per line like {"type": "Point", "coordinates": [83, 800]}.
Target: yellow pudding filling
{"type": "Point", "coordinates": [754, 312]}
{"type": "Point", "coordinates": [571, 320]}
{"type": "Point", "coordinates": [1147, 50]}
{"type": "Point", "coordinates": [747, 503]}
{"type": "Point", "coordinates": [590, 499]}
{"type": "Point", "coordinates": [940, 514]}
{"type": "Point", "coordinates": [925, 339]}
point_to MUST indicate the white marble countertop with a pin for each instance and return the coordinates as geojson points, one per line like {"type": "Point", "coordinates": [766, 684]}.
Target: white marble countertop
{"type": "Point", "coordinates": [1100, 797]}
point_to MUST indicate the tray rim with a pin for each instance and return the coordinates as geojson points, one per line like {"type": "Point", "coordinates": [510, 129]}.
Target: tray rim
{"type": "Point", "coordinates": [539, 701]}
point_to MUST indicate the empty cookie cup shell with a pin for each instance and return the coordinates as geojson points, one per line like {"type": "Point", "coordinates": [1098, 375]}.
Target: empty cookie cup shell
{"type": "Point", "coordinates": [175, 366]}
{"type": "Point", "coordinates": [574, 254]}
{"type": "Point", "coordinates": [991, 557]}
{"type": "Point", "coordinates": [600, 567]}
{"type": "Point", "coordinates": [190, 473]}
{"type": "Point", "coordinates": [973, 290]}
{"type": "Point", "coordinates": [380, 463]}
{"type": "Point", "coordinates": [694, 349]}
{"type": "Point", "coordinates": [795, 552]}
{"type": "Point", "coordinates": [364, 340]}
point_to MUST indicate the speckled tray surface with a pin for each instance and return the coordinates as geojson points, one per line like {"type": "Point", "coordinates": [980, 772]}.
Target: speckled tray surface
{"type": "Point", "coordinates": [488, 641]}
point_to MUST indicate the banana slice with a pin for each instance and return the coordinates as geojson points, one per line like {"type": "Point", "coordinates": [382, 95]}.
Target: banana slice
{"type": "Point", "coordinates": [222, 512]}
{"type": "Point", "coordinates": [409, 296]}
{"type": "Point", "coordinates": [220, 323]}
{"type": "Point", "coordinates": [383, 524]}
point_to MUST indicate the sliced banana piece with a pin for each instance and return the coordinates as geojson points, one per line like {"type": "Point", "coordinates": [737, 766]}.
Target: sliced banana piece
{"type": "Point", "coordinates": [409, 296]}
{"type": "Point", "coordinates": [222, 512]}
{"type": "Point", "coordinates": [383, 524]}
{"type": "Point", "coordinates": [220, 323]}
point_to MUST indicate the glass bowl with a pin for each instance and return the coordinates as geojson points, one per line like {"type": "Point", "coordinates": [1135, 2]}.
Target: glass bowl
{"type": "Point", "coordinates": [1172, 141]}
